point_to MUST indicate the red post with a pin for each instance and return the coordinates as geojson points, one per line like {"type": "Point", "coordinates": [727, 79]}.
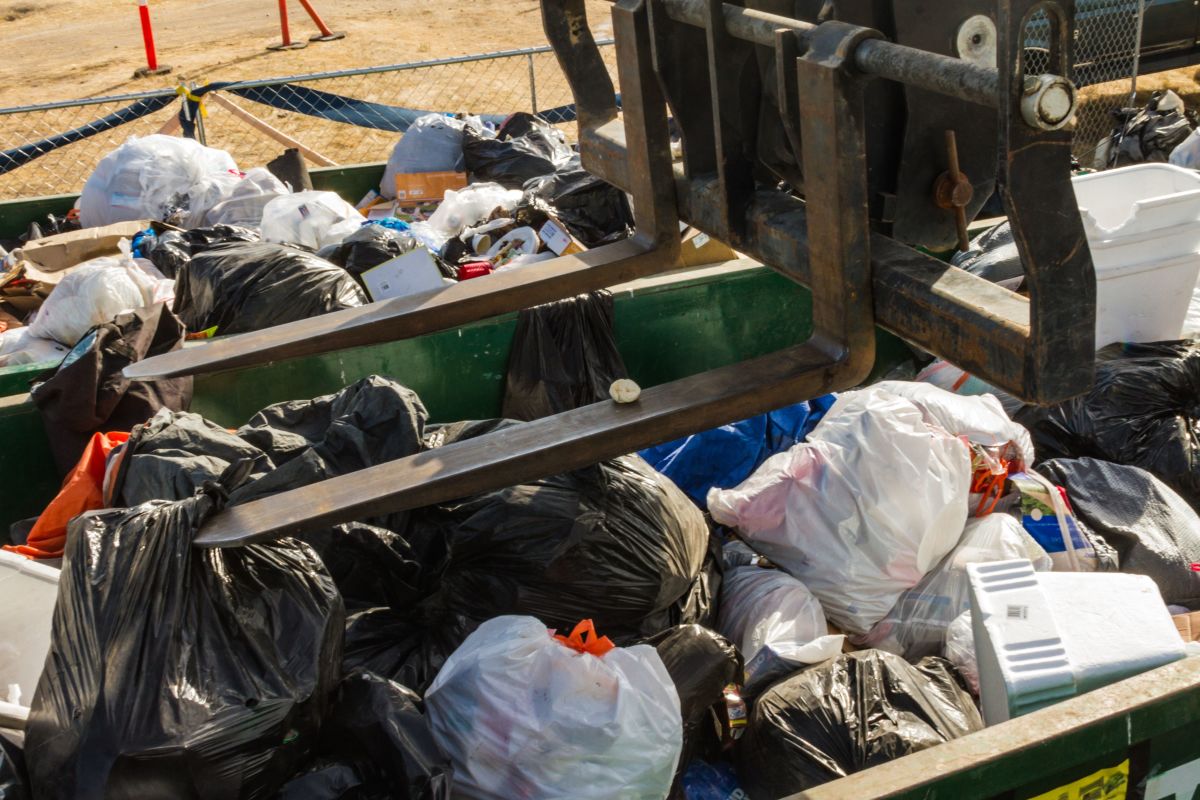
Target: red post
{"type": "Point", "coordinates": [287, 43]}
{"type": "Point", "coordinates": [152, 67]}
{"type": "Point", "coordinates": [325, 35]}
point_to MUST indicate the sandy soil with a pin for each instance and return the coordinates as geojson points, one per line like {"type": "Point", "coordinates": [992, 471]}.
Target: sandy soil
{"type": "Point", "coordinates": [66, 49]}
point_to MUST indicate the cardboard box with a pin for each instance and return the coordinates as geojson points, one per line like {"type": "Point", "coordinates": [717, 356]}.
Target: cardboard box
{"type": "Point", "coordinates": [419, 187]}
{"type": "Point", "coordinates": [1188, 626]}
{"type": "Point", "coordinates": [411, 273]}
{"type": "Point", "coordinates": [556, 237]}
{"type": "Point", "coordinates": [699, 249]}
{"type": "Point", "coordinates": [46, 259]}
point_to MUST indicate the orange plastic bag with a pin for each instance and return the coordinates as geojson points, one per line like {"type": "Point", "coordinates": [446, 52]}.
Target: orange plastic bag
{"type": "Point", "coordinates": [82, 490]}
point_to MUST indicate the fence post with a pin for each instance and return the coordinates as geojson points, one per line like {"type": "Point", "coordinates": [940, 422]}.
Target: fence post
{"type": "Point", "coordinates": [532, 84]}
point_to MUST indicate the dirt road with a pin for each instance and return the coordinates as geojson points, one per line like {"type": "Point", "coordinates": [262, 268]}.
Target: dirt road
{"type": "Point", "coordinates": [65, 49]}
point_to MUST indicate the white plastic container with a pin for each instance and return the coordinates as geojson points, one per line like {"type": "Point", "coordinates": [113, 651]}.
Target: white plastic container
{"type": "Point", "coordinates": [28, 592]}
{"type": "Point", "coordinates": [1143, 228]}
{"type": "Point", "coordinates": [1042, 637]}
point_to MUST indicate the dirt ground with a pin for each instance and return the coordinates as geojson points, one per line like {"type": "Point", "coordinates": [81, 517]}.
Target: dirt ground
{"type": "Point", "coordinates": [68, 49]}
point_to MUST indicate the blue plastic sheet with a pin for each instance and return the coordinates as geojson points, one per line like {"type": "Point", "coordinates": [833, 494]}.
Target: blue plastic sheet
{"type": "Point", "coordinates": [704, 781]}
{"type": "Point", "coordinates": [724, 457]}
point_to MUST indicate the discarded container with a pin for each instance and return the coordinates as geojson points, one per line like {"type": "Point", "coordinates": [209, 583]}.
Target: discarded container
{"type": "Point", "coordinates": [1043, 637]}
{"type": "Point", "coordinates": [28, 590]}
{"type": "Point", "coordinates": [1143, 228]}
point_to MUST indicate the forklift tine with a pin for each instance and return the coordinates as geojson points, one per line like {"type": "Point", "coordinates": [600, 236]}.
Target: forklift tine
{"type": "Point", "coordinates": [404, 317]}
{"type": "Point", "coordinates": [547, 446]}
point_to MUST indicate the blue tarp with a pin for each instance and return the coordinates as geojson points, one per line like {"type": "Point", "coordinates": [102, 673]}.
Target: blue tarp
{"type": "Point", "coordinates": [724, 457]}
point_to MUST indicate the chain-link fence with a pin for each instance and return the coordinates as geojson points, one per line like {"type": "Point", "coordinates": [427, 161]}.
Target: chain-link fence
{"type": "Point", "coordinates": [287, 112]}
{"type": "Point", "coordinates": [1107, 37]}
{"type": "Point", "coordinates": [284, 112]}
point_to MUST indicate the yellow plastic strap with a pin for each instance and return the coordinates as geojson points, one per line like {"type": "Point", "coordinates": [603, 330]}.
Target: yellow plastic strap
{"type": "Point", "coordinates": [184, 91]}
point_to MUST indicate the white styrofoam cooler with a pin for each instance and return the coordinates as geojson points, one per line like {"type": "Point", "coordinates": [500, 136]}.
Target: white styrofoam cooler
{"type": "Point", "coordinates": [28, 592]}
{"type": "Point", "coordinates": [1143, 228]}
{"type": "Point", "coordinates": [1041, 637]}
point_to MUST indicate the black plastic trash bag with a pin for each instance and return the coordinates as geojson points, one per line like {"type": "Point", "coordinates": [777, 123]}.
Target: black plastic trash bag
{"type": "Point", "coordinates": [1141, 411]}
{"type": "Point", "coordinates": [1154, 531]}
{"type": "Point", "coordinates": [400, 645]}
{"type": "Point", "coordinates": [1146, 134]}
{"type": "Point", "coordinates": [852, 712]}
{"type": "Point", "coordinates": [89, 393]}
{"type": "Point", "coordinates": [14, 782]}
{"type": "Point", "coordinates": [525, 147]}
{"type": "Point", "coordinates": [595, 212]}
{"type": "Point", "coordinates": [376, 744]}
{"type": "Point", "coordinates": [368, 247]}
{"type": "Point", "coordinates": [563, 356]}
{"type": "Point", "coordinates": [247, 286]}
{"type": "Point", "coordinates": [615, 542]}
{"type": "Point", "coordinates": [180, 672]}
{"type": "Point", "coordinates": [172, 250]}
{"type": "Point", "coordinates": [702, 663]}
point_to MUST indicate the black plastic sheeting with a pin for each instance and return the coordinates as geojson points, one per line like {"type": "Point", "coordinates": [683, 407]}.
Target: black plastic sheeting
{"type": "Point", "coordinates": [368, 247]}
{"type": "Point", "coordinates": [1154, 531]}
{"type": "Point", "coordinates": [247, 286]}
{"type": "Point", "coordinates": [595, 212]}
{"type": "Point", "coordinates": [852, 712]}
{"type": "Point", "coordinates": [14, 782]}
{"type": "Point", "coordinates": [701, 663]}
{"type": "Point", "coordinates": [1141, 411]}
{"type": "Point", "coordinates": [375, 744]}
{"type": "Point", "coordinates": [173, 250]}
{"type": "Point", "coordinates": [525, 147]}
{"type": "Point", "coordinates": [180, 672]}
{"type": "Point", "coordinates": [563, 356]}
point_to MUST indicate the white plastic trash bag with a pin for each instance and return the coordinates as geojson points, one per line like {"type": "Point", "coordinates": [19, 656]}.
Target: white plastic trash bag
{"type": "Point", "coordinates": [1187, 153]}
{"type": "Point", "coordinates": [777, 624]}
{"type": "Point", "coordinates": [94, 293]}
{"type": "Point", "coordinates": [916, 625]}
{"type": "Point", "coordinates": [19, 346]}
{"type": "Point", "coordinates": [310, 219]}
{"type": "Point", "coordinates": [521, 714]}
{"type": "Point", "coordinates": [980, 418]}
{"type": "Point", "coordinates": [960, 650]}
{"type": "Point", "coordinates": [157, 177]}
{"type": "Point", "coordinates": [467, 207]}
{"type": "Point", "coordinates": [247, 199]}
{"type": "Point", "coordinates": [862, 511]}
{"type": "Point", "coordinates": [433, 143]}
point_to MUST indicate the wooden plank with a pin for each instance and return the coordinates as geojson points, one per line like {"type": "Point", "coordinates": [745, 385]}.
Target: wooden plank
{"type": "Point", "coordinates": [270, 130]}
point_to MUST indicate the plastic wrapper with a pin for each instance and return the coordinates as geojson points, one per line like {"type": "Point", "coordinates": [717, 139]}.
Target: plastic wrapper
{"type": "Point", "coordinates": [89, 393]}
{"type": "Point", "coordinates": [776, 622]}
{"type": "Point", "coordinates": [702, 664]}
{"type": "Point", "coordinates": [563, 356]}
{"type": "Point", "coordinates": [523, 714]}
{"type": "Point", "coordinates": [433, 143]}
{"type": "Point", "coordinates": [1044, 510]}
{"type": "Point", "coordinates": [168, 178]}
{"type": "Point", "coordinates": [1141, 411]}
{"type": "Point", "coordinates": [253, 634]}
{"type": "Point", "coordinates": [856, 711]}
{"type": "Point", "coordinates": [723, 457]}
{"type": "Point", "coordinates": [368, 247]}
{"type": "Point", "coordinates": [466, 208]}
{"type": "Point", "coordinates": [595, 212]}
{"type": "Point", "coordinates": [614, 542]}
{"type": "Point", "coordinates": [309, 219]}
{"type": "Point", "coordinates": [375, 745]}
{"type": "Point", "coordinates": [959, 650]}
{"type": "Point", "coordinates": [172, 250]}
{"type": "Point", "coordinates": [1153, 530]}
{"type": "Point", "coordinates": [704, 781]}
{"type": "Point", "coordinates": [525, 147]}
{"type": "Point", "coordinates": [247, 286]}
{"type": "Point", "coordinates": [861, 512]}
{"type": "Point", "coordinates": [247, 199]}
{"type": "Point", "coordinates": [916, 625]}
{"type": "Point", "coordinates": [94, 293]}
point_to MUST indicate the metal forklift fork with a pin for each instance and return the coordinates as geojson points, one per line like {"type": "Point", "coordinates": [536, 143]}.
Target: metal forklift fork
{"type": "Point", "coordinates": [1041, 348]}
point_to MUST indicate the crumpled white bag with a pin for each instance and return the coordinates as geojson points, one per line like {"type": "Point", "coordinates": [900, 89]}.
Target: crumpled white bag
{"type": "Point", "coordinates": [860, 512]}
{"type": "Point", "coordinates": [247, 199]}
{"type": "Point", "coordinates": [310, 219]}
{"type": "Point", "coordinates": [916, 625]}
{"type": "Point", "coordinates": [18, 346]}
{"type": "Point", "coordinates": [959, 650]}
{"type": "Point", "coordinates": [777, 624]}
{"type": "Point", "coordinates": [154, 177]}
{"type": "Point", "coordinates": [521, 715]}
{"type": "Point", "coordinates": [94, 293]}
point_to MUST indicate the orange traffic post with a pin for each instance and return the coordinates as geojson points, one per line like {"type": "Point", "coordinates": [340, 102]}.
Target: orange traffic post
{"type": "Point", "coordinates": [325, 34]}
{"type": "Point", "coordinates": [287, 43]}
{"type": "Point", "coordinates": [152, 66]}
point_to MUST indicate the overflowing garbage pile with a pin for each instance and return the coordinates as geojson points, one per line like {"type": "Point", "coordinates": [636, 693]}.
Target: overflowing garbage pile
{"type": "Point", "coordinates": [750, 611]}
{"type": "Point", "coordinates": [166, 220]}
